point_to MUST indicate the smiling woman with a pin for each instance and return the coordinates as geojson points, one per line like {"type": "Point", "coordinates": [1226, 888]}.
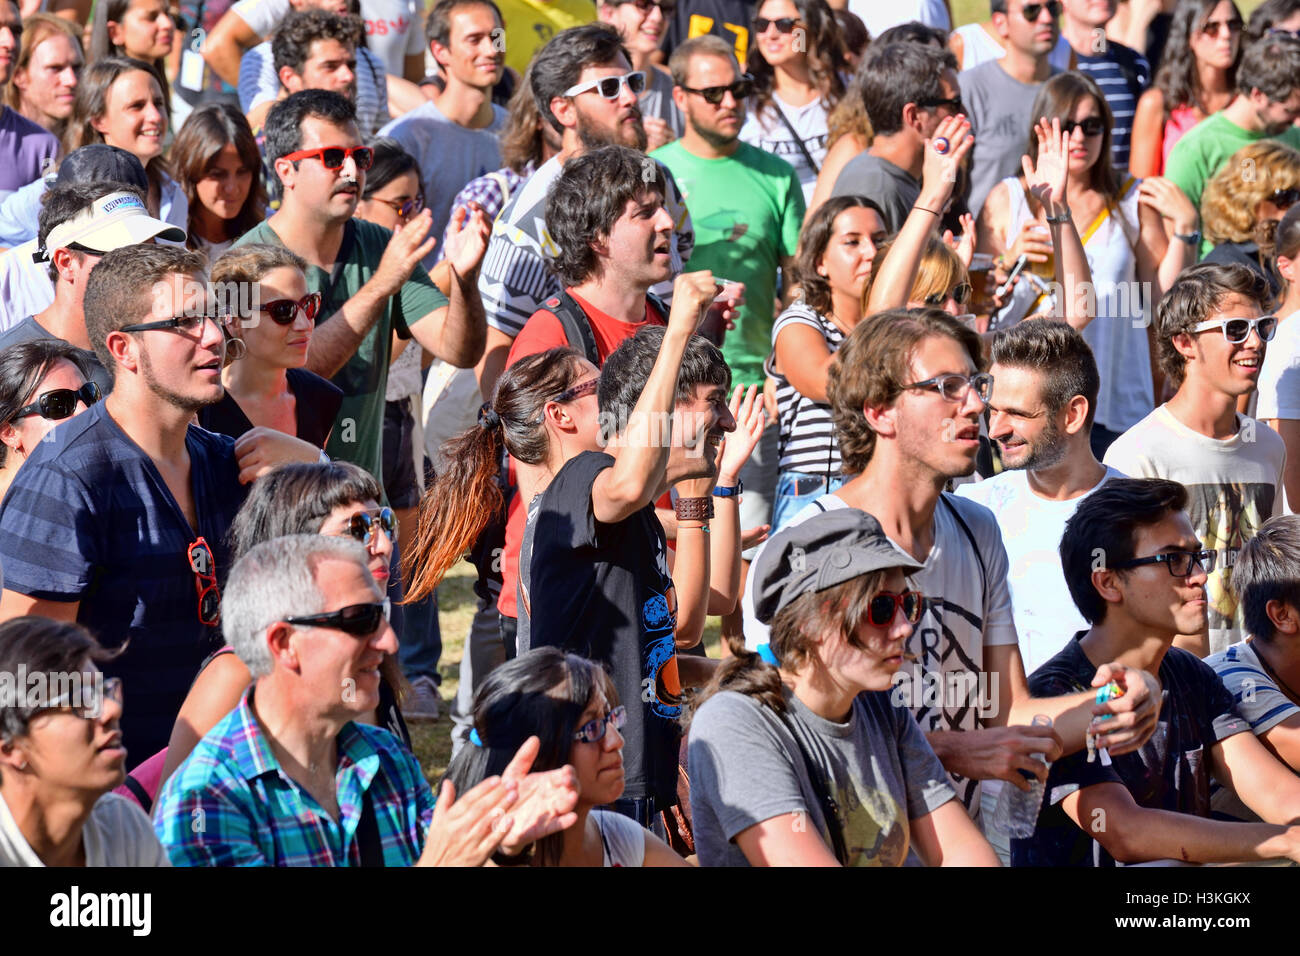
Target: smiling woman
{"type": "Point", "coordinates": [218, 166]}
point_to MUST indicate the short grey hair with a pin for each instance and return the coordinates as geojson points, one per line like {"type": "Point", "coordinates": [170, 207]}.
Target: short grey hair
{"type": "Point", "coordinates": [1268, 569]}
{"type": "Point", "coordinates": [273, 581]}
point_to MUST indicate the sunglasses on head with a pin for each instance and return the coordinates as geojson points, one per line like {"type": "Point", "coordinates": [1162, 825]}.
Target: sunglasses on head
{"type": "Point", "coordinates": [611, 87]}
{"type": "Point", "coordinates": [204, 567]}
{"type": "Point", "coordinates": [1212, 28]}
{"type": "Point", "coordinates": [1032, 11]}
{"type": "Point", "coordinates": [359, 620]}
{"type": "Point", "coordinates": [58, 403]}
{"type": "Point", "coordinates": [362, 525]}
{"type": "Point", "coordinates": [1092, 126]}
{"type": "Point", "coordinates": [284, 311]}
{"type": "Point", "coordinates": [883, 607]}
{"type": "Point", "coordinates": [1237, 331]}
{"type": "Point", "coordinates": [333, 157]}
{"type": "Point", "coordinates": [782, 24]}
{"type": "Point", "coordinates": [581, 390]}
{"type": "Point", "coordinates": [713, 95]}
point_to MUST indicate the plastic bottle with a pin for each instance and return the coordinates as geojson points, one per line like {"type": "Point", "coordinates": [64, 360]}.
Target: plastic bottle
{"type": "Point", "coordinates": [1016, 813]}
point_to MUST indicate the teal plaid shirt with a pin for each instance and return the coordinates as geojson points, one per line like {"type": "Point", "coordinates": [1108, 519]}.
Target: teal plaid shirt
{"type": "Point", "coordinates": [230, 804]}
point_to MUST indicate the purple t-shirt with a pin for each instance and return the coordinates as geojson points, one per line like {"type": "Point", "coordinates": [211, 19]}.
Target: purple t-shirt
{"type": "Point", "coordinates": [25, 148]}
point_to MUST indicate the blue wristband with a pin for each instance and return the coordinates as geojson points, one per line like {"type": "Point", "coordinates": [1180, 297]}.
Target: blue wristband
{"type": "Point", "coordinates": [720, 492]}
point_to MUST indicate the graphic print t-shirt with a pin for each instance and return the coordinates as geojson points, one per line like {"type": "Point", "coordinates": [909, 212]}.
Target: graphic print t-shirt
{"type": "Point", "coordinates": [967, 609]}
{"type": "Point", "coordinates": [1233, 486]}
{"type": "Point", "coordinates": [604, 591]}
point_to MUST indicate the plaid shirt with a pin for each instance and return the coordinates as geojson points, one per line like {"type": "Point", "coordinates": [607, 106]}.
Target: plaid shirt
{"type": "Point", "coordinates": [230, 804]}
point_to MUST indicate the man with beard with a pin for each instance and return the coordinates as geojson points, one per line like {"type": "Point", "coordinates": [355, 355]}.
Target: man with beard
{"type": "Point", "coordinates": [118, 520]}
{"type": "Point", "coordinates": [585, 88]}
{"type": "Point", "coordinates": [371, 280]}
{"type": "Point", "coordinates": [1045, 386]}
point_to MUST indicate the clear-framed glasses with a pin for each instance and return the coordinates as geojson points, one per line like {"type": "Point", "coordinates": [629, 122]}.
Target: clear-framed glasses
{"type": "Point", "coordinates": [954, 387]}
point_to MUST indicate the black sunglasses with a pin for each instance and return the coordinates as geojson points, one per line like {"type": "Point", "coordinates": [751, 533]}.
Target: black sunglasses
{"type": "Point", "coordinates": [960, 294]}
{"type": "Point", "coordinates": [782, 24]}
{"type": "Point", "coordinates": [1031, 11]}
{"type": "Point", "coordinates": [359, 620]}
{"type": "Point", "coordinates": [953, 102]}
{"type": "Point", "coordinates": [58, 403]}
{"type": "Point", "coordinates": [1092, 126]}
{"type": "Point", "coordinates": [668, 7]}
{"type": "Point", "coordinates": [1285, 198]}
{"type": "Point", "coordinates": [883, 607]}
{"type": "Point", "coordinates": [713, 95]}
{"type": "Point", "coordinates": [284, 311]}
{"type": "Point", "coordinates": [188, 323]}
{"type": "Point", "coordinates": [1179, 563]}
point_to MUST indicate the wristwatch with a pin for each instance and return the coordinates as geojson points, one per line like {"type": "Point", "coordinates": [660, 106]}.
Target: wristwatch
{"type": "Point", "coordinates": [719, 491]}
{"type": "Point", "coordinates": [1191, 238]}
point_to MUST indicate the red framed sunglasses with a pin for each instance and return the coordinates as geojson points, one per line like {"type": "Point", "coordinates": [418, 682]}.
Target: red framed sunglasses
{"type": "Point", "coordinates": [204, 567]}
{"type": "Point", "coordinates": [333, 157]}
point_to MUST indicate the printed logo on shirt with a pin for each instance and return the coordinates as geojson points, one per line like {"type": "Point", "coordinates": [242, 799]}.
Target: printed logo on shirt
{"type": "Point", "coordinates": [661, 685]}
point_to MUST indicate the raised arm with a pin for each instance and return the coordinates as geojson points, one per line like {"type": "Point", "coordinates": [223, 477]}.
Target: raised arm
{"type": "Point", "coordinates": [226, 45]}
{"type": "Point", "coordinates": [1166, 213]}
{"type": "Point", "coordinates": [1047, 183]}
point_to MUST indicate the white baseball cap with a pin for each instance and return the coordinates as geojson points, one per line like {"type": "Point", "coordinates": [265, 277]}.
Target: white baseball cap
{"type": "Point", "coordinates": [113, 221]}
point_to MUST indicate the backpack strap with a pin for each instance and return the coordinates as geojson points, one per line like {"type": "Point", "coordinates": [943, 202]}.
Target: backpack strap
{"type": "Point", "coordinates": [970, 536]}
{"type": "Point", "coordinates": [577, 328]}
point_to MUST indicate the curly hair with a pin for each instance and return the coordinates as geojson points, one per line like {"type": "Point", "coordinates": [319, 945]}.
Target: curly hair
{"type": "Point", "coordinates": [871, 366]}
{"type": "Point", "coordinates": [1178, 79]}
{"type": "Point", "coordinates": [849, 118]}
{"type": "Point", "coordinates": [824, 48]}
{"type": "Point", "coordinates": [1233, 194]}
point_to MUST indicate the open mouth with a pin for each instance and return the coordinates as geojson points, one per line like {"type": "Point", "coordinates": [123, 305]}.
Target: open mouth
{"type": "Point", "coordinates": [1250, 363]}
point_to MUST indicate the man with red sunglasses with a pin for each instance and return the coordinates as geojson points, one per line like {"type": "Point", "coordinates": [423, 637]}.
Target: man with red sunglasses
{"type": "Point", "coordinates": [371, 280]}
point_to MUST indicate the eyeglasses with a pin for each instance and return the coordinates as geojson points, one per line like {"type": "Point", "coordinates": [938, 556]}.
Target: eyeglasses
{"type": "Point", "coordinates": [783, 24]}
{"type": "Point", "coordinates": [404, 210]}
{"type": "Point", "coordinates": [359, 620]}
{"type": "Point", "coordinates": [593, 731]}
{"type": "Point", "coordinates": [284, 311]}
{"type": "Point", "coordinates": [954, 387]}
{"type": "Point", "coordinates": [1212, 28]}
{"type": "Point", "coordinates": [188, 323]}
{"type": "Point", "coordinates": [58, 403]}
{"type": "Point", "coordinates": [581, 390]}
{"type": "Point", "coordinates": [333, 157]}
{"type": "Point", "coordinates": [953, 102]}
{"type": "Point", "coordinates": [1237, 331]}
{"type": "Point", "coordinates": [645, 6]}
{"type": "Point", "coordinates": [960, 294]}
{"type": "Point", "coordinates": [1031, 11]}
{"type": "Point", "coordinates": [1179, 563]}
{"type": "Point", "coordinates": [92, 697]}
{"type": "Point", "coordinates": [713, 95]}
{"type": "Point", "coordinates": [362, 525]}
{"type": "Point", "coordinates": [205, 582]}
{"type": "Point", "coordinates": [883, 607]}
{"type": "Point", "coordinates": [611, 87]}
{"type": "Point", "coordinates": [1285, 198]}
{"type": "Point", "coordinates": [1091, 126]}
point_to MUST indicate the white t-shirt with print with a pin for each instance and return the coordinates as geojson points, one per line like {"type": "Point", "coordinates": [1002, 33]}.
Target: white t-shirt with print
{"type": "Point", "coordinates": [767, 132]}
{"type": "Point", "coordinates": [967, 609]}
{"type": "Point", "coordinates": [1279, 379]}
{"type": "Point", "coordinates": [394, 28]}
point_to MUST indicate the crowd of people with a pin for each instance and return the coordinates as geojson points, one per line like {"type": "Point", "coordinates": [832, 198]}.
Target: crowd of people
{"type": "Point", "coordinates": [954, 372]}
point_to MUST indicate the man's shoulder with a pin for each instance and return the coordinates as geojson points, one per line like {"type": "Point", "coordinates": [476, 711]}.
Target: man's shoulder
{"type": "Point", "coordinates": [23, 128]}
{"type": "Point", "coordinates": [978, 517]}
{"type": "Point", "coordinates": [80, 449]}
{"type": "Point", "coordinates": [215, 447]}
{"type": "Point", "coordinates": [980, 76]}
{"type": "Point", "coordinates": [995, 491]}
{"type": "Point", "coordinates": [261, 233]}
{"type": "Point", "coordinates": [421, 120]}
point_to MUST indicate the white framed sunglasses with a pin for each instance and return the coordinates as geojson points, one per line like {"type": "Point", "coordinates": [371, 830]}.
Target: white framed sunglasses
{"type": "Point", "coordinates": [1237, 331]}
{"type": "Point", "coordinates": [611, 87]}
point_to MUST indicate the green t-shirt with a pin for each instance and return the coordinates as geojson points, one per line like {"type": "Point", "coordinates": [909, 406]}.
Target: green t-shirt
{"type": "Point", "coordinates": [1203, 149]}
{"type": "Point", "coordinates": [746, 210]}
{"type": "Point", "coordinates": [359, 430]}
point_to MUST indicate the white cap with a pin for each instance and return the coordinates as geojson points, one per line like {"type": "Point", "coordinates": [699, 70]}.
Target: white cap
{"type": "Point", "coordinates": [113, 221]}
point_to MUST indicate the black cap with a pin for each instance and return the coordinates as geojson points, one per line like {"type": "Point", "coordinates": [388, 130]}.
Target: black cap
{"type": "Point", "coordinates": [99, 162]}
{"type": "Point", "coordinates": [826, 550]}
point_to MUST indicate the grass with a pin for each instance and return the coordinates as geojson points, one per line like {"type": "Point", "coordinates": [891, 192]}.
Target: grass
{"type": "Point", "coordinates": [456, 604]}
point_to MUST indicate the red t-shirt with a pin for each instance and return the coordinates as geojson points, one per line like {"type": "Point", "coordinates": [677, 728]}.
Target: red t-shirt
{"type": "Point", "coordinates": [543, 331]}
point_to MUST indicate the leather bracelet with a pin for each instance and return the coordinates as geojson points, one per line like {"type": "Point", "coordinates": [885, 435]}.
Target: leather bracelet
{"type": "Point", "coordinates": [693, 509]}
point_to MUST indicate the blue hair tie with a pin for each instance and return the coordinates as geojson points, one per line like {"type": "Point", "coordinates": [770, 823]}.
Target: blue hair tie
{"type": "Point", "coordinates": [474, 738]}
{"type": "Point", "coordinates": [765, 652]}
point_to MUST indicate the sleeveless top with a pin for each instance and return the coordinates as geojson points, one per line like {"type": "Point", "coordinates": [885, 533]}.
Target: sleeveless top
{"type": "Point", "coordinates": [807, 435]}
{"type": "Point", "coordinates": [1118, 334]}
{"type": "Point", "coordinates": [1181, 119]}
{"type": "Point", "coordinates": [622, 838]}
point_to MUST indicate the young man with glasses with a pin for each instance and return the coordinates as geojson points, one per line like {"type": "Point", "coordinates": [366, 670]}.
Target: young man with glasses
{"type": "Point", "coordinates": [79, 222]}
{"type": "Point", "coordinates": [906, 394]}
{"type": "Point", "coordinates": [642, 25]}
{"type": "Point", "coordinates": [293, 777]}
{"type": "Point", "coordinates": [908, 90]}
{"type": "Point", "coordinates": [1137, 573]}
{"type": "Point", "coordinates": [999, 94]}
{"type": "Point", "coordinates": [31, 149]}
{"type": "Point", "coordinates": [118, 519]}
{"type": "Point", "coordinates": [1267, 104]}
{"type": "Point", "coordinates": [1122, 73]}
{"type": "Point", "coordinates": [1212, 336]}
{"type": "Point", "coordinates": [454, 135]}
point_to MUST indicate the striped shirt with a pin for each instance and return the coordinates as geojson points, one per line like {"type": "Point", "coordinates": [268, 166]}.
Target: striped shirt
{"type": "Point", "coordinates": [1121, 88]}
{"type": "Point", "coordinates": [1258, 697]}
{"type": "Point", "coordinates": [254, 814]}
{"type": "Point", "coordinates": [259, 83]}
{"type": "Point", "coordinates": [490, 191]}
{"type": "Point", "coordinates": [516, 277]}
{"type": "Point", "coordinates": [807, 442]}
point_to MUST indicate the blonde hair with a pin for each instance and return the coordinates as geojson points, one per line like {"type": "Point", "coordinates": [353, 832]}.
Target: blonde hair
{"type": "Point", "coordinates": [1253, 174]}
{"type": "Point", "coordinates": [939, 271]}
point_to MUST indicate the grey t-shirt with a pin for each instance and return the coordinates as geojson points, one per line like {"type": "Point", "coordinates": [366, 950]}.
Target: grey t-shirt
{"type": "Point", "coordinates": [29, 330]}
{"type": "Point", "coordinates": [746, 767]}
{"type": "Point", "coordinates": [998, 107]}
{"type": "Point", "coordinates": [892, 187]}
{"type": "Point", "coordinates": [657, 100]}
